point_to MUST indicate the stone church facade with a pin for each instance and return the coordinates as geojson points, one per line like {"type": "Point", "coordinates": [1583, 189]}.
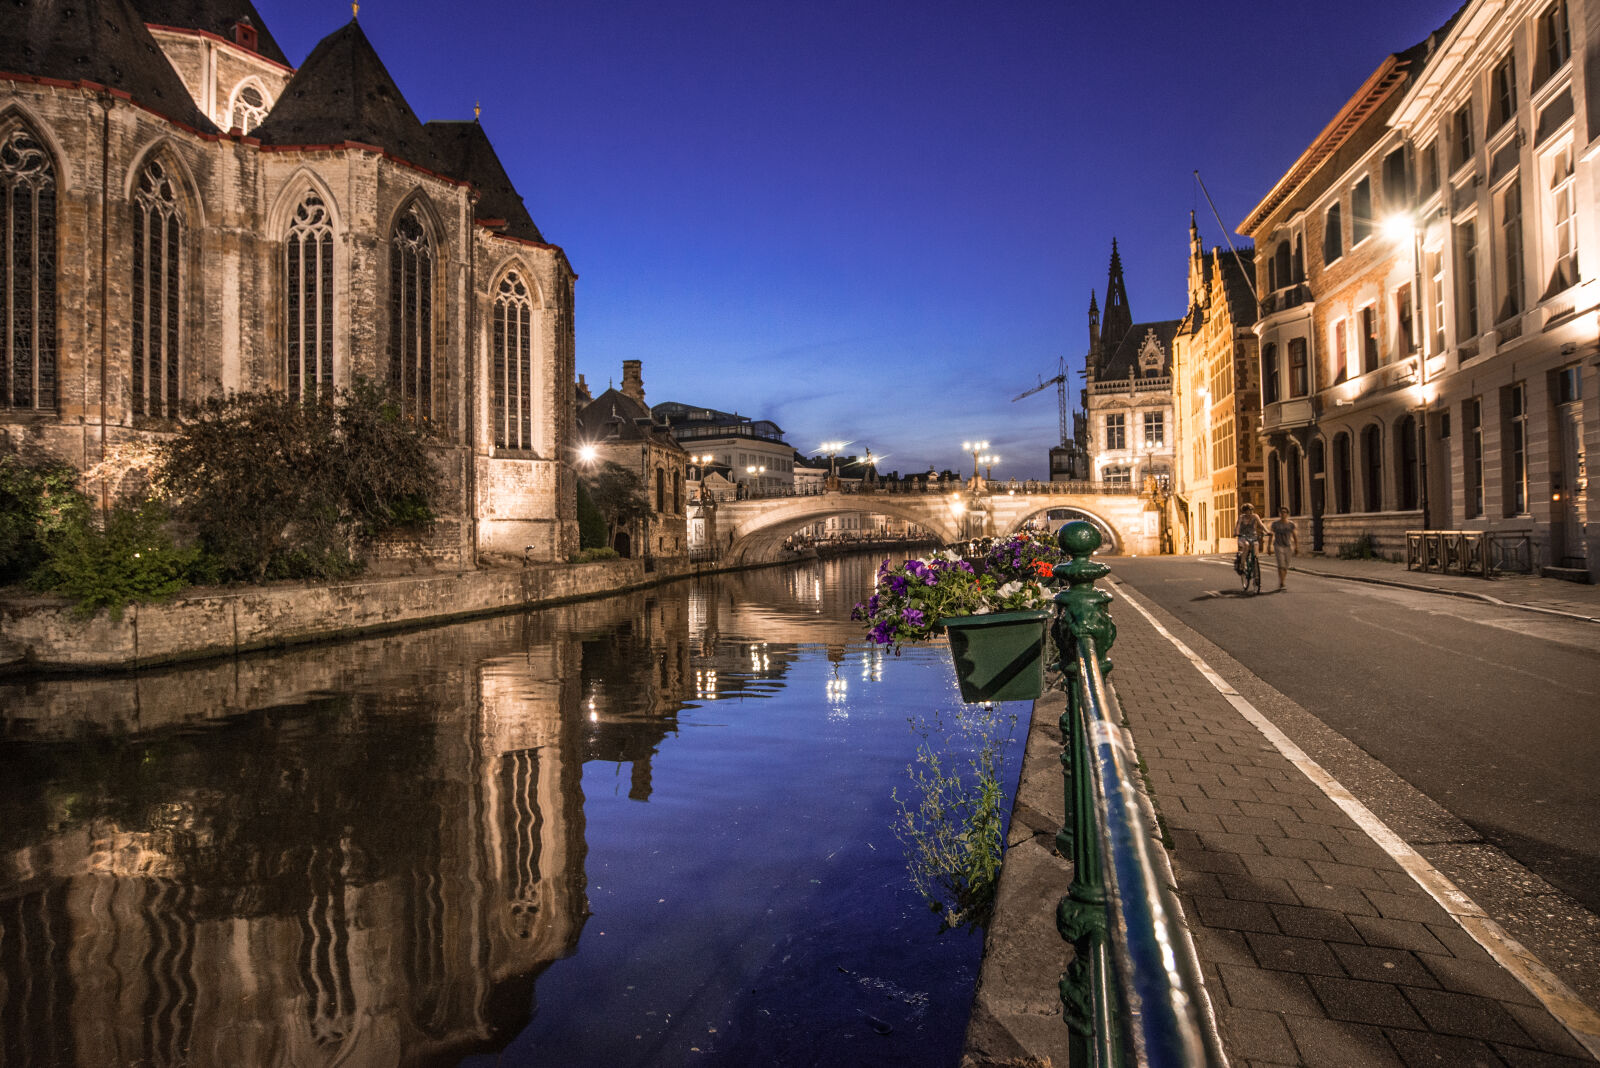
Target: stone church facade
{"type": "Point", "coordinates": [188, 215]}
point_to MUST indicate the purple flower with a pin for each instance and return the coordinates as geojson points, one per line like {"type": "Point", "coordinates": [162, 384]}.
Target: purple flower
{"type": "Point", "coordinates": [897, 584]}
{"type": "Point", "coordinates": [912, 616]}
{"type": "Point", "coordinates": [883, 633]}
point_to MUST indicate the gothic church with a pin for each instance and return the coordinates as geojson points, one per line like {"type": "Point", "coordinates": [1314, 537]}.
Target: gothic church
{"type": "Point", "coordinates": [187, 214]}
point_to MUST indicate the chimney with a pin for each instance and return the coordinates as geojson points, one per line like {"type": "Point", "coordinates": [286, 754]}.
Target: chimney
{"type": "Point", "coordinates": [633, 380]}
{"type": "Point", "coordinates": [584, 397]}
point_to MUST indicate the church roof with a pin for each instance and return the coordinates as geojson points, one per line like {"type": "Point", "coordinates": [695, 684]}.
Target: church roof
{"type": "Point", "coordinates": [1126, 356]}
{"type": "Point", "coordinates": [212, 16]}
{"type": "Point", "coordinates": [343, 92]}
{"type": "Point", "coordinates": [100, 41]}
{"type": "Point", "coordinates": [614, 416]}
{"type": "Point", "coordinates": [465, 153]}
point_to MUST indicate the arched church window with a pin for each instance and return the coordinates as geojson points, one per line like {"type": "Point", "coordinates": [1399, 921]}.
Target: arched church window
{"type": "Point", "coordinates": [249, 108]}
{"type": "Point", "coordinates": [513, 364]}
{"type": "Point", "coordinates": [158, 243]}
{"type": "Point", "coordinates": [27, 274]}
{"type": "Point", "coordinates": [411, 315]}
{"type": "Point", "coordinates": [308, 254]}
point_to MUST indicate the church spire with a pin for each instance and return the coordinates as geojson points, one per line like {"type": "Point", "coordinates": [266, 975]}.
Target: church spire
{"type": "Point", "coordinates": [1118, 319]}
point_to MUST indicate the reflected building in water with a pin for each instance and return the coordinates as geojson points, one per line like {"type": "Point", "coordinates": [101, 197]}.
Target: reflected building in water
{"type": "Point", "coordinates": [354, 854]}
{"type": "Point", "coordinates": [361, 853]}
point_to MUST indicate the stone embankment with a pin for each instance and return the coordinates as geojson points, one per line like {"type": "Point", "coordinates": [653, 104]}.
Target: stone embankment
{"type": "Point", "coordinates": [42, 634]}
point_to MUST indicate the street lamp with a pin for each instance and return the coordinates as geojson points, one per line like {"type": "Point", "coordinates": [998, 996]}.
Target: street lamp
{"type": "Point", "coordinates": [832, 449]}
{"type": "Point", "coordinates": [588, 453]}
{"type": "Point", "coordinates": [755, 471]}
{"type": "Point", "coordinates": [975, 448]}
{"type": "Point", "coordinates": [989, 460]}
{"type": "Point", "coordinates": [699, 462]}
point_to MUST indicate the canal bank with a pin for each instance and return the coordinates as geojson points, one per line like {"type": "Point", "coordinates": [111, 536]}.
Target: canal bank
{"type": "Point", "coordinates": [44, 634]}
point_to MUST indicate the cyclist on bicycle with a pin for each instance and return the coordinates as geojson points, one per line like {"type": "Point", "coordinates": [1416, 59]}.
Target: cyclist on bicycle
{"type": "Point", "coordinates": [1249, 531]}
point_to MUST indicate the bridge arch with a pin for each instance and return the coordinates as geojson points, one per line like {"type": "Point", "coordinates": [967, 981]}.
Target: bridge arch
{"type": "Point", "coordinates": [753, 531]}
{"type": "Point", "coordinates": [1055, 516]}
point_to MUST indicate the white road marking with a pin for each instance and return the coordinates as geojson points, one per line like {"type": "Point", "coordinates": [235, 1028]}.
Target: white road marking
{"type": "Point", "coordinates": [1561, 1000]}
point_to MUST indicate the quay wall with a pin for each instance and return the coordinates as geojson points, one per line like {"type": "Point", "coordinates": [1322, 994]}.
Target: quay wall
{"type": "Point", "coordinates": [42, 634]}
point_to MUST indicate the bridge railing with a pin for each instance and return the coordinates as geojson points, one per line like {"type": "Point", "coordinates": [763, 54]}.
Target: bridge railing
{"type": "Point", "coordinates": [1132, 993]}
{"type": "Point", "coordinates": [930, 488]}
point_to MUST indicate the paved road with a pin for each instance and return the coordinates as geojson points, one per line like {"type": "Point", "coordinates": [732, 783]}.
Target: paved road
{"type": "Point", "coordinates": [1492, 713]}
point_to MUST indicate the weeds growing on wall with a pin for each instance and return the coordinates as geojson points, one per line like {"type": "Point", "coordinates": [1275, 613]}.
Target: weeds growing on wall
{"type": "Point", "coordinates": [1363, 548]}
{"type": "Point", "coordinates": [278, 488]}
{"type": "Point", "coordinates": [951, 820]}
{"type": "Point", "coordinates": [129, 557]}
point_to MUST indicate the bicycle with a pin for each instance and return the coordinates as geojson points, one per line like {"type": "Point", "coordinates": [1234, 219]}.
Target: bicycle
{"type": "Point", "coordinates": [1250, 568]}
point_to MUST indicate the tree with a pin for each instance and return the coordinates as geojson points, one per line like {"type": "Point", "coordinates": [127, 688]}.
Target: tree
{"type": "Point", "coordinates": [618, 495]}
{"type": "Point", "coordinates": [279, 488]}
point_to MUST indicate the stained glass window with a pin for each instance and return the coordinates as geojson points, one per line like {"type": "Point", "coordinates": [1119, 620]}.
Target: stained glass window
{"type": "Point", "coordinates": [308, 254]}
{"type": "Point", "coordinates": [158, 237]}
{"type": "Point", "coordinates": [411, 315]}
{"type": "Point", "coordinates": [513, 365]}
{"type": "Point", "coordinates": [27, 274]}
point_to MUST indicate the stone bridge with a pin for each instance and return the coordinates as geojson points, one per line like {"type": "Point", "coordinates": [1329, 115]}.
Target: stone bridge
{"type": "Point", "coordinates": [753, 530]}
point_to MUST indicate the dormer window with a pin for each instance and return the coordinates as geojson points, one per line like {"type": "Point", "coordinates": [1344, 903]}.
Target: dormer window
{"type": "Point", "coordinates": [244, 34]}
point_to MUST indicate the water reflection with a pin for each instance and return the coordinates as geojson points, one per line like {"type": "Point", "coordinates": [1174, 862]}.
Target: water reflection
{"type": "Point", "coordinates": [365, 853]}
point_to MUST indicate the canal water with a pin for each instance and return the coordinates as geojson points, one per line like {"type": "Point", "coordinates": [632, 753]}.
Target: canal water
{"type": "Point", "coordinates": [654, 829]}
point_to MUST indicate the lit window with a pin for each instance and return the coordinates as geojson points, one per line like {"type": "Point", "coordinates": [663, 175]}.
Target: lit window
{"type": "Point", "coordinates": [308, 255]}
{"type": "Point", "coordinates": [411, 315]}
{"type": "Point", "coordinates": [158, 243]}
{"type": "Point", "coordinates": [513, 356]}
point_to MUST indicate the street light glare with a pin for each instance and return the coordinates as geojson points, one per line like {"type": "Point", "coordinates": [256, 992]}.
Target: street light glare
{"type": "Point", "coordinates": [587, 453]}
{"type": "Point", "coordinates": [1399, 226]}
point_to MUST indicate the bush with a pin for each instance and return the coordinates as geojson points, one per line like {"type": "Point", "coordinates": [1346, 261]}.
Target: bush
{"type": "Point", "coordinates": [130, 558]}
{"type": "Point", "coordinates": [1363, 548]}
{"type": "Point", "coordinates": [588, 555]}
{"type": "Point", "coordinates": [278, 488]}
{"type": "Point", "coordinates": [591, 524]}
{"type": "Point", "coordinates": [37, 502]}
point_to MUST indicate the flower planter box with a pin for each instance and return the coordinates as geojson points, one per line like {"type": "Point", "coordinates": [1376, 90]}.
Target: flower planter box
{"type": "Point", "coordinates": [1000, 656]}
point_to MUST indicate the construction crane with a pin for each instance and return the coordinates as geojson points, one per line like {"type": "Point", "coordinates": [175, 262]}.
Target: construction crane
{"type": "Point", "coordinates": [1060, 382]}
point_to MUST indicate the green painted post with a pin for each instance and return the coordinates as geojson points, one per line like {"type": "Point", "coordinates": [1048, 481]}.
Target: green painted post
{"type": "Point", "coordinates": [1088, 994]}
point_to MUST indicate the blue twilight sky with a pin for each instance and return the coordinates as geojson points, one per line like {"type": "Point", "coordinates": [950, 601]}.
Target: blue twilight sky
{"type": "Point", "coordinates": [874, 219]}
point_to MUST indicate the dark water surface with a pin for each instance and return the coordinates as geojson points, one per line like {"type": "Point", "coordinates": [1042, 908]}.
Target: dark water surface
{"type": "Point", "coordinates": [649, 830]}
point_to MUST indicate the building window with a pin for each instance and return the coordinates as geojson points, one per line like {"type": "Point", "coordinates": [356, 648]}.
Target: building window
{"type": "Point", "coordinates": [250, 107]}
{"type": "Point", "coordinates": [1562, 213]}
{"type": "Point", "coordinates": [1509, 212]}
{"type": "Point", "coordinates": [308, 255]}
{"type": "Point", "coordinates": [1274, 483]}
{"type": "Point", "coordinates": [1405, 341]}
{"type": "Point", "coordinates": [1299, 383]}
{"type": "Point", "coordinates": [1269, 373]}
{"type": "Point", "coordinates": [1116, 431]}
{"type": "Point", "coordinates": [1117, 476]}
{"type": "Point", "coordinates": [661, 490]}
{"type": "Point", "coordinates": [1406, 455]}
{"type": "Point", "coordinates": [1396, 183]}
{"type": "Point", "coordinates": [1332, 235]}
{"type": "Point", "coordinates": [1555, 42]}
{"type": "Point", "coordinates": [1516, 407]}
{"type": "Point", "coordinates": [411, 315]}
{"type": "Point", "coordinates": [1436, 298]}
{"type": "Point", "coordinates": [1341, 473]}
{"type": "Point", "coordinates": [1155, 429]}
{"type": "Point", "coordinates": [1292, 467]}
{"type": "Point", "coordinates": [158, 243]}
{"type": "Point", "coordinates": [1281, 267]}
{"type": "Point", "coordinates": [1372, 468]}
{"type": "Point", "coordinates": [1428, 171]}
{"type": "Point", "coordinates": [1461, 146]}
{"type": "Point", "coordinates": [1502, 92]}
{"type": "Point", "coordinates": [1369, 338]}
{"type": "Point", "coordinates": [1344, 368]}
{"type": "Point", "coordinates": [512, 342]}
{"type": "Point", "coordinates": [1467, 270]}
{"type": "Point", "coordinates": [1472, 443]}
{"type": "Point", "coordinates": [1361, 212]}
{"type": "Point", "coordinates": [27, 274]}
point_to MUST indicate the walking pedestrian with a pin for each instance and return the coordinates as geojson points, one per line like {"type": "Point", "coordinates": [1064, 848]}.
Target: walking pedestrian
{"type": "Point", "coordinates": [1285, 538]}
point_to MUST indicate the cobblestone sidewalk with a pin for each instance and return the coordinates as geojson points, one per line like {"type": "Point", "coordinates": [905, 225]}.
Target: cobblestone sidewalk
{"type": "Point", "coordinates": [1318, 948]}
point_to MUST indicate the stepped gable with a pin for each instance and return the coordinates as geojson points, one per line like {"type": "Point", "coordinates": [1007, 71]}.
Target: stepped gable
{"type": "Point", "coordinates": [343, 92]}
{"type": "Point", "coordinates": [100, 41]}
{"type": "Point", "coordinates": [212, 16]}
{"type": "Point", "coordinates": [465, 153]}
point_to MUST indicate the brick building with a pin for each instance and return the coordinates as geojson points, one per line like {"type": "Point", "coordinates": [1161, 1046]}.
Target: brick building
{"type": "Point", "coordinates": [190, 215]}
{"type": "Point", "coordinates": [1216, 400]}
{"type": "Point", "coordinates": [1428, 326]}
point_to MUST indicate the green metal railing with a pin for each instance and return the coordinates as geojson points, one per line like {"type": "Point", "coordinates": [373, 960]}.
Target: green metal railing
{"type": "Point", "coordinates": [1132, 993]}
